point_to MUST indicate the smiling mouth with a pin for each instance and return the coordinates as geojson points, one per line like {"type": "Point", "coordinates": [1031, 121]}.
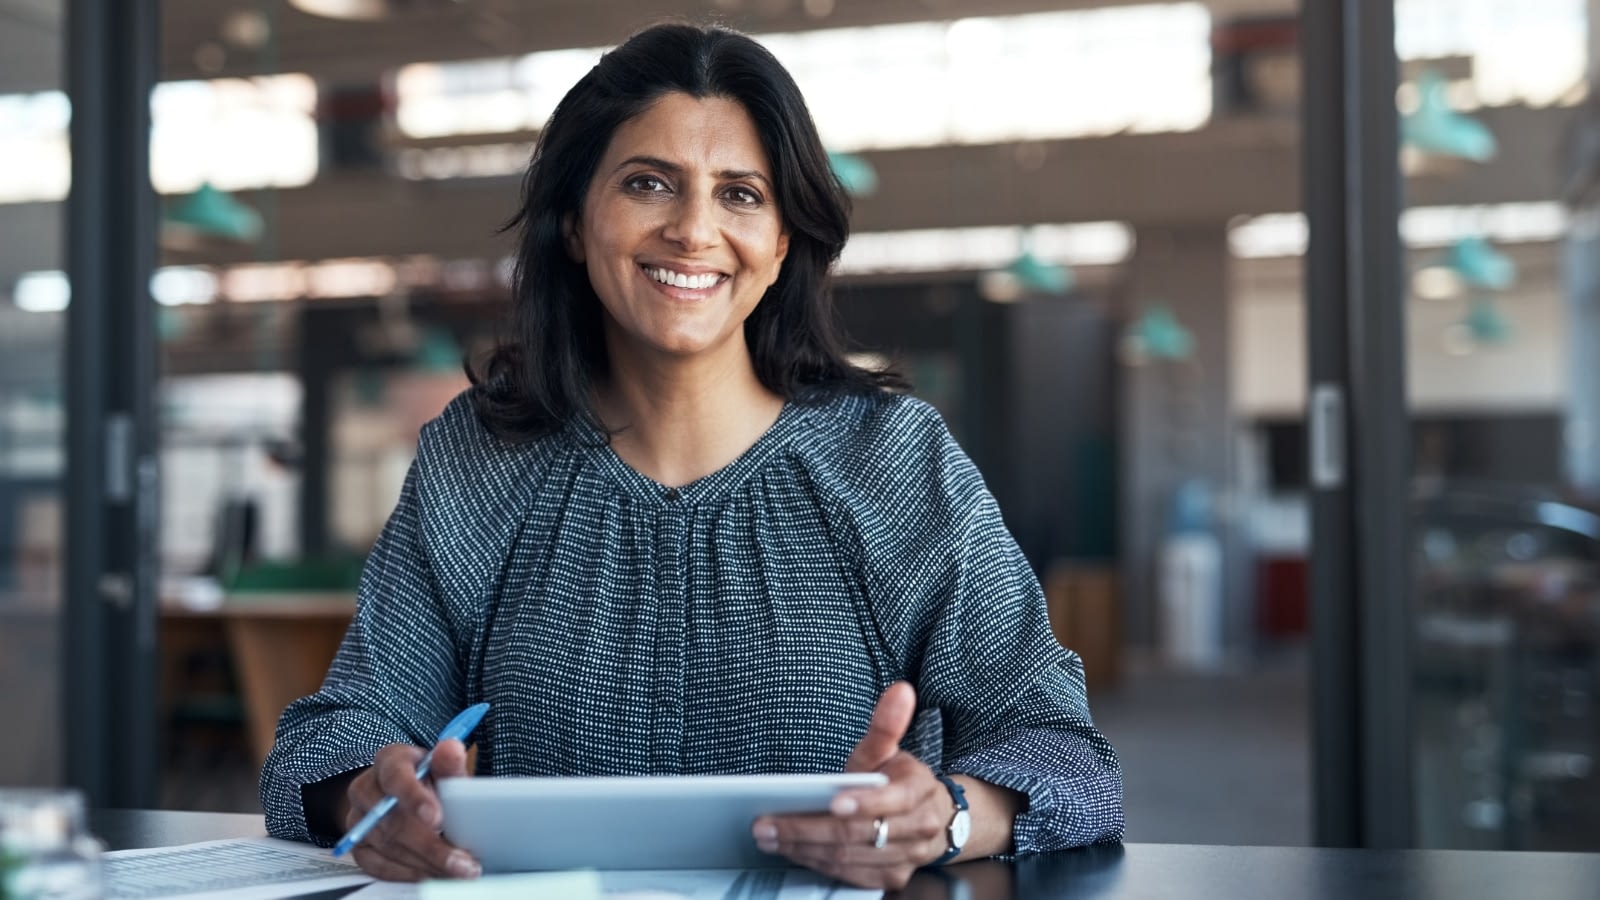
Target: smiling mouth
{"type": "Point", "coordinates": [698, 282]}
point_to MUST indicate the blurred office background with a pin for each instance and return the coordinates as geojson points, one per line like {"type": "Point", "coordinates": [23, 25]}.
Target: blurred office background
{"type": "Point", "coordinates": [1081, 226]}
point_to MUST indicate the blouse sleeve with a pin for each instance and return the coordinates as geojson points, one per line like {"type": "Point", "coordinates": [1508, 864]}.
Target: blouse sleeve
{"type": "Point", "coordinates": [962, 609]}
{"type": "Point", "coordinates": [395, 678]}
{"type": "Point", "coordinates": [1027, 729]}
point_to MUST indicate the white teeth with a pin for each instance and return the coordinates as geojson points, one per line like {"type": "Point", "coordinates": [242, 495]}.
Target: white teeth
{"type": "Point", "coordinates": [678, 279]}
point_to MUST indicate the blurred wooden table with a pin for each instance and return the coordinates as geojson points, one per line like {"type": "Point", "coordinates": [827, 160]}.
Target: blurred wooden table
{"type": "Point", "coordinates": [280, 645]}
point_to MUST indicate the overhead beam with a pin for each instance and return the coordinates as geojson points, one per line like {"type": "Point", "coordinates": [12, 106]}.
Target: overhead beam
{"type": "Point", "coordinates": [333, 49]}
{"type": "Point", "coordinates": [1231, 168]}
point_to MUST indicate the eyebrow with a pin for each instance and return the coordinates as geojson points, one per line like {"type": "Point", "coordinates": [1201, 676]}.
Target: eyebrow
{"type": "Point", "coordinates": [656, 162]}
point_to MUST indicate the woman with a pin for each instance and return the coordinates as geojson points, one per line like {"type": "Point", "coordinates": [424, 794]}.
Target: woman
{"type": "Point", "coordinates": [672, 530]}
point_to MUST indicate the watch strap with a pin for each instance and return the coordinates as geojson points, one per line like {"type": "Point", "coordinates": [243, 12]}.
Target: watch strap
{"type": "Point", "coordinates": [958, 795]}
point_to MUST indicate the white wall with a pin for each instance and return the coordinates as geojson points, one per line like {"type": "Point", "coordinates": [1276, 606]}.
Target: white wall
{"type": "Point", "coordinates": [1526, 373]}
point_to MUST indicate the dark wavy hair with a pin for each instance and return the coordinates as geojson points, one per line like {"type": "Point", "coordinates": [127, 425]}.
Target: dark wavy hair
{"type": "Point", "coordinates": [541, 376]}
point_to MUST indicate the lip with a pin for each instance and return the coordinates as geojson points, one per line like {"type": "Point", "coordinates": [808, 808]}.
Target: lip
{"type": "Point", "coordinates": [679, 267]}
{"type": "Point", "coordinates": [672, 290]}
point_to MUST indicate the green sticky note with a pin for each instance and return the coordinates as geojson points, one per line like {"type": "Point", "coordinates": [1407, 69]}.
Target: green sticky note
{"type": "Point", "coordinates": [582, 884]}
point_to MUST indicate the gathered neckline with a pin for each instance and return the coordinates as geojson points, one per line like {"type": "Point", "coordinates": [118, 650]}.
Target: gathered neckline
{"type": "Point", "coordinates": [705, 488]}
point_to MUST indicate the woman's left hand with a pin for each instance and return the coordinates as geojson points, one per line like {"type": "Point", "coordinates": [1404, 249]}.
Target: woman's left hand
{"type": "Point", "coordinates": [873, 837]}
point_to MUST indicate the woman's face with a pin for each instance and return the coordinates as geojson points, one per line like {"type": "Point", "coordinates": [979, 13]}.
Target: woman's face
{"type": "Point", "coordinates": [680, 230]}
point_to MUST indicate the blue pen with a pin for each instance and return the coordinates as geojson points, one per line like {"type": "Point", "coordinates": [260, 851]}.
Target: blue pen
{"type": "Point", "coordinates": [457, 730]}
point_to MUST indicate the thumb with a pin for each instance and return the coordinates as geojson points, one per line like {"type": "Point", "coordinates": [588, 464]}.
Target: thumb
{"type": "Point", "coordinates": [889, 723]}
{"type": "Point", "coordinates": [449, 760]}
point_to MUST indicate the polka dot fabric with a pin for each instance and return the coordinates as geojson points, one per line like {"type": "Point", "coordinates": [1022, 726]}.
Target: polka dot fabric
{"type": "Point", "coordinates": [744, 623]}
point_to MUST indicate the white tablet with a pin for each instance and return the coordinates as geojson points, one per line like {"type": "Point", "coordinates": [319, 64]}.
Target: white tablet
{"type": "Point", "coordinates": [656, 822]}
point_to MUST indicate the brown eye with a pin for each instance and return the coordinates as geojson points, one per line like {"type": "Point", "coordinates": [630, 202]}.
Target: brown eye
{"type": "Point", "coordinates": [645, 184]}
{"type": "Point", "coordinates": [743, 196]}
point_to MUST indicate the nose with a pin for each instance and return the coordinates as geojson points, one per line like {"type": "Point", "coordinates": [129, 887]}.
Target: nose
{"type": "Point", "coordinates": [693, 223]}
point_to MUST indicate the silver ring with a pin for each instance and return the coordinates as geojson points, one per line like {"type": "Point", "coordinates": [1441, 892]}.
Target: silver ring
{"type": "Point", "coordinates": [880, 833]}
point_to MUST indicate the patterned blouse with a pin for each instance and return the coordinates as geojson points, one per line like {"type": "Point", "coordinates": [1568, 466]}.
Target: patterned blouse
{"type": "Point", "coordinates": [743, 623]}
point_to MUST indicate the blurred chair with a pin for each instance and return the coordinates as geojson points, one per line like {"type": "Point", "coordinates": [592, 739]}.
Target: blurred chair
{"type": "Point", "coordinates": [1083, 601]}
{"type": "Point", "coordinates": [1507, 592]}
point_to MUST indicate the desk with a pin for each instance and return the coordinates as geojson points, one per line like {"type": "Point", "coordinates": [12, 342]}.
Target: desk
{"type": "Point", "coordinates": [281, 645]}
{"type": "Point", "coordinates": [1175, 871]}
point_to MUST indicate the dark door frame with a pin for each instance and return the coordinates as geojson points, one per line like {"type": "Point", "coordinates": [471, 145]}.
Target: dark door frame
{"type": "Point", "coordinates": [1359, 428]}
{"type": "Point", "coordinates": [111, 480]}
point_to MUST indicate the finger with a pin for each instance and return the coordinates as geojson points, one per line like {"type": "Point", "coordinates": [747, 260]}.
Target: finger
{"type": "Point", "coordinates": [394, 839]}
{"type": "Point", "coordinates": [449, 760]}
{"type": "Point", "coordinates": [418, 846]}
{"type": "Point", "coordinates": [360, 795]}
{"type": "Point", "coordinates": [376, 863]}
{"type": "Point", "coordinates": [913, 795]}
{"type": "Point", "coordinates": [383, 852]}
{"type": "Point", "coordinates": [901, 849]}
{"type": "Point", "coordinates": [892, 876]}
{"type": "Point", "coordinates": [397, 777]}
{"type": "Point", "coordinates": [915, 838]}
{"type": "Point", "coordinates": [772, 833]}
{"type": "Point", "coordinates": [396, 769]}
{"type": "Point", "coordinates": [911, 784]}
{"type": "Point", "coordinates": [413, 857]}
{"type": "Point", "coordinates": [408, 836]}
{"type": "Point", "coordinates": [890, 720]}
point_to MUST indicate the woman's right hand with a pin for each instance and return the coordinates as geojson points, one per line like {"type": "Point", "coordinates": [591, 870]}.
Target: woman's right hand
{"type": "Point", "coordinates": [406, 844]}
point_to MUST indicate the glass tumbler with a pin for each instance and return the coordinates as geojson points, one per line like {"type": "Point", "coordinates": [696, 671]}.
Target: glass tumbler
{"type": "Point", "coordinates": [46, 851]}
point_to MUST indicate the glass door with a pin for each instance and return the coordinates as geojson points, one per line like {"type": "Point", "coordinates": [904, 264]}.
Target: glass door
{"type": "Point", "coordinates": [1453, 275]}
{"type": "Point", "coordinates": [77, 475]}
{"type": "Point", "coordinates": [33, 300]}
{"type": "Point", "coordinates": [1500, 161]}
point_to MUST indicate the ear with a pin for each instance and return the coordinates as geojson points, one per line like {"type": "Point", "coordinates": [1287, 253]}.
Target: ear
{"type": "Point", "coordinates": [781, 254]}
{"type": "Point", "coordinates": [570, 236]}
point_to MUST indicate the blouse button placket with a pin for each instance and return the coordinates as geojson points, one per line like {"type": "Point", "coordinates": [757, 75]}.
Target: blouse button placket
{"type": "Point", "coordinates": [667, 737]}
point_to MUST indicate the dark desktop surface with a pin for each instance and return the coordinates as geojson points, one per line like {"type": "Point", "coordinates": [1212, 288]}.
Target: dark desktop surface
{"type": "Point", "coordinates": [1176, 871]}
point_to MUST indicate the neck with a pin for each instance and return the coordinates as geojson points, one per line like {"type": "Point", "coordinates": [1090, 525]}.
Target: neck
{"type": "Point", "coordinates": [675, 421]}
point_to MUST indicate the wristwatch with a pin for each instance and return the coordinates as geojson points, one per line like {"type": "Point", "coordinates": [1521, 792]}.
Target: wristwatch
{"type": "Point", "coordinates": [960, 827]}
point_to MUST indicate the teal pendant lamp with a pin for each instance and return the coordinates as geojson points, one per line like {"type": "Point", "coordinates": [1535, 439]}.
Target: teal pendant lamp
{"type": "Point", "coordinates": [437, 352]}
{"type": "Point", "coordinates": [857, 175]}
{"type": "Point", "coordinates": [1158, 336]}
{"type": "Point", "coordinates": [1480, 265]}
{"type": "Point", "coordinates": [1481, 269]}
{"type": "Point", "coordinates": [210, 213]}
{"type": "Point", "coordinates": [1027, 274]}
{"type": "Point", "coordinates": [1469, 263]}
{"type": "Point", "coordinates": [1434, 127]}
{"type": "Point", "coordinates": [1486, 323]}
{"type": "Point", "coordinates": [1038, 276]}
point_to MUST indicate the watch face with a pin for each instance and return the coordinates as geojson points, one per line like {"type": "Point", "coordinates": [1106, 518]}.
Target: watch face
{"type": "Point", "coordinates": [960, 828]}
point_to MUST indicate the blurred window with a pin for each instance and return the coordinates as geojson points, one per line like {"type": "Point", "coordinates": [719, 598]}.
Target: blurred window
{"type": "Point", "coordinates": [920, 84]}
{"type": "Point", "coordinates": [1284, 234]}
{"type": "Point", "coordinates": [33, 142]}
{"type": "Point", "coordinates": [487, 96]}
{"type": "Point", "coordinates": [1004, 78]}
{"type": "Point", "coordinates": [45, 292]}
{"type": "Point", "coordinates": [235, 133]}
{"type": "Point", "coordinates": [1520, 51]}
{"type": "Point", "coordinates": [951, 249]}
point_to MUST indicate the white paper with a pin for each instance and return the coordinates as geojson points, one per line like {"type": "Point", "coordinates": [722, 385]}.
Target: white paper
{"type": "Point", "coordinates": [664, 884]}
{"type": "Point", "coordinates": [581, 884]}
{"type": "Point", "coordinates": [236, 869]}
